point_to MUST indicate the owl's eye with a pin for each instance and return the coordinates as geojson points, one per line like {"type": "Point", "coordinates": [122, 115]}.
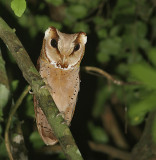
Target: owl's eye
{"type": "Point", "coordinates": [77, 47]}
{"type": "Point", "coordinates": [54, 43]}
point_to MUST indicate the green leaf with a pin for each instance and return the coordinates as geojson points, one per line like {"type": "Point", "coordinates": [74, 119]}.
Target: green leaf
{"type": "Point", "coordinates": [137, 111]}
{"type": "Point", "coordinates": [145, 74]}
{"type": "Point", "coordinates": [137, 119]}
{"type": "Point", "coordinates": [78, 11]}
{"type": "Point", "coordinates": [4, 96]}
{"type": "Point", "coordinates": [115, 30]}
{"type": "Point", "coordinates": [29, 106]}
{"type": "Point", "coordinates": [122, 69]}
{"type": "Point", "coordinates": [61, 156]}
{"type": "Point", "coordinates": [111, 46]}
{"type": "Point", "coordinates": [14, 85]}
{"type": "Point", "coordinates": [134, 58]}
{"type": "Point", "coordinates": [102, 33]}
{"type": "Point", "coordinates": [152, 55]}
{"type": "Point", "coordinates": [36, 140]}
{"type": "Point", "coordinates": [97, 133]}
{"type": "Point", "coordinates": [144, 44]}
{"type": "Point", "coordinates": [102, 57]}
{"type": "Point", "coordinates": [18, 6]}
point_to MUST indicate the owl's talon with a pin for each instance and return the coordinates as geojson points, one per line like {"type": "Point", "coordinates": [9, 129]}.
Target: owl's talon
{"type": "Point", "coordinates": [66, 122]}
{"type": "Point", "coordinates": [47, 87]}
{"type": "Point", "coordinates": [61, 114]}
{"type": "Point", "coordinates": [63, 122]}
{"type": "Point", "coordinates": [31, 92]}
{"type": "Point", "coordinates": [44, 86]}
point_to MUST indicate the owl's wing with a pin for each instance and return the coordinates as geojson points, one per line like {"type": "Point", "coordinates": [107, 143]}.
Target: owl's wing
{"type": "Point", "coordinates": [43, 126]}
{"type": "Point", "coordinates": [73, 112]}
{"type": "Point", "coordinates": [74, 105]}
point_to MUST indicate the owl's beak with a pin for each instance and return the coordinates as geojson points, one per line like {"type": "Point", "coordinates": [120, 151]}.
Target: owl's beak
{"type": "Point", "coordinates": [63, 59]}
{"type": "Point", "coordinates": [64, 62]}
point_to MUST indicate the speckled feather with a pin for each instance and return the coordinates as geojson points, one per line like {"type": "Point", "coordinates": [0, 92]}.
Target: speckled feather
{"type": "Point", "coordinates": [58, 65]}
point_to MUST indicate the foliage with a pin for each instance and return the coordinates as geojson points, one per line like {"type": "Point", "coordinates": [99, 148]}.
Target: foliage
{"type": "Point", "coordinates": [18, 7]}
{"type": "Point", "coordinates": [36, 140]}
{"type": "Point", "coordinates": [4, 92]}
{"type": "Point", "coordinates": [121, 41]}
{"type": "Point", "coordinates": [97, 133]}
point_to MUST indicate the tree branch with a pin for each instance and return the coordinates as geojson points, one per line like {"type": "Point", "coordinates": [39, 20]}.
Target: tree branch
{"type": "Point", "coordinates": [97, 71]}
{"type": "Point", "coordinates": [43, 96]}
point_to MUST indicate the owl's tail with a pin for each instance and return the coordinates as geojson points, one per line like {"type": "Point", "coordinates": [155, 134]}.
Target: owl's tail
{"type": "Point", "coordinates": [43, 126]}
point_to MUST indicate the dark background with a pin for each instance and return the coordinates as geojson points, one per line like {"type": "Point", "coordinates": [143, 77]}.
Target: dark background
{"type": "Point", "coordinates": [121, 38]}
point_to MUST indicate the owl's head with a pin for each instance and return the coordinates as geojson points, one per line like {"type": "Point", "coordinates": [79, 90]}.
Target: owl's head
{"type": "Point", "coordinates": [63, 50]}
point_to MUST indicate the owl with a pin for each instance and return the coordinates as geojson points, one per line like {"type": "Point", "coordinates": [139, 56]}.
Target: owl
{"type": "Point", "coordinates": [59, 66]}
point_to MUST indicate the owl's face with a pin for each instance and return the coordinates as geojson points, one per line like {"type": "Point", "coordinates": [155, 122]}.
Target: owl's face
{"type": "Point", "coordinates": [64, 50]}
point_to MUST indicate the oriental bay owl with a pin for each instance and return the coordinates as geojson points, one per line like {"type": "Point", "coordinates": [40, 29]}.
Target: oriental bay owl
{"type": "Point", "coordinates": [59, 65]}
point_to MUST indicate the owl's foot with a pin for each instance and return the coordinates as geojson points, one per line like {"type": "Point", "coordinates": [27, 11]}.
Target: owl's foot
{"type": "Point", "coordinates": [66, 122]}
{"type": "Point", "coordinates": [47, 87]}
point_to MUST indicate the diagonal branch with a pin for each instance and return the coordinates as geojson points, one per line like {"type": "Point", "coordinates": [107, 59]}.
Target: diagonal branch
{"type": "Point", "coordinates": [46, 102]}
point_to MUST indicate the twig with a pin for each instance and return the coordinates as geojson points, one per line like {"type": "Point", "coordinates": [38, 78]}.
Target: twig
{"type": "Point", "coordinates": [12, 112]}
{"type": "Point", "coordinates": [113, 152]}
{"type": "Point", "coordinates": [134, 130]}
{"type": "Point", "coordinates": [42, 94]}
{"type": "Point", "coordinates": [97, 71]}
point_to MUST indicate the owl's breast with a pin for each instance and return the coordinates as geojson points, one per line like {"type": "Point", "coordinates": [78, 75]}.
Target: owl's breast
{"type": "Point", "coordinates": [63, 86]}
